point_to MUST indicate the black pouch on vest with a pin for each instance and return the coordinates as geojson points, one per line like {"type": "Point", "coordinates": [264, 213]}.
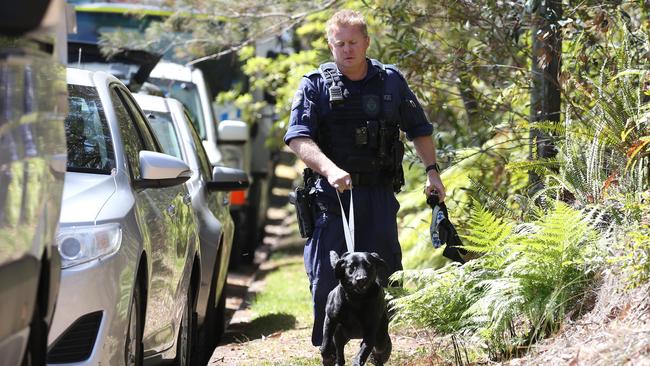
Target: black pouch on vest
{"type": "Point", "coordinates": [373, 133]}
{"type": "Point", "coordinates": [398, 170]}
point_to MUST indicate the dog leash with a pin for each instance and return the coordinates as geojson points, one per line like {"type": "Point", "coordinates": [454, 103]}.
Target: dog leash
{"type": "Point", "coordinates": [348, 228]}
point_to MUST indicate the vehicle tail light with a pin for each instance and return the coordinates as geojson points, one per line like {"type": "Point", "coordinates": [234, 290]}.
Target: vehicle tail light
{"type": "Point", "coordinates": [238, 198]}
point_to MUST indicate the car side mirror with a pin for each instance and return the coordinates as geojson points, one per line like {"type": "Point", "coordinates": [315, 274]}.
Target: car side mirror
{"type": "Point", "coordinates": [58, 163]}
{"type": "Point", "coordinates": [233, 132]}
{"type": "Point", "coordinates": [161, 170]}
{"type": "Point", "coordinates": [228, 179]}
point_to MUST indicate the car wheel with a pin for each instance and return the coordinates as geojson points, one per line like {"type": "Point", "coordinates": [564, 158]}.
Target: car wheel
{"type": "Point", "coordinates": [239, 240]}
{"type": "Point", "coordinates": [218, 319]}
{"type": "Point", "coordinates": [37, 342]}
{"type": "Point", "coordinates": [36, 351]}
{"type": "Point", "coordinates": [186, 334]}
{"type": "Point", "coordinates": [133, 346]}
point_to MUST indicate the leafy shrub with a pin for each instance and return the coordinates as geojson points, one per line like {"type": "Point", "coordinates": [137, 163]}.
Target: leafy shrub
{"type": "Point", "coordinates": [527, 278]}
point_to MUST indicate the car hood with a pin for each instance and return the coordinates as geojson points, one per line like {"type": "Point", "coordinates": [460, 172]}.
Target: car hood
{"type": "Point", "coordinates": [84, 195]}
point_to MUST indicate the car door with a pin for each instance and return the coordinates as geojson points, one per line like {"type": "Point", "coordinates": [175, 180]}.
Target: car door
{"type": "Point", "coordinates": [219, 204]}
{"type": "Point", "coordinates": [168, 222]}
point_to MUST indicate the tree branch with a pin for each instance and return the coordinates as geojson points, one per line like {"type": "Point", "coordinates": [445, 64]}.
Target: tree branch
{"type": "Point", "coordinates": [277, 29]}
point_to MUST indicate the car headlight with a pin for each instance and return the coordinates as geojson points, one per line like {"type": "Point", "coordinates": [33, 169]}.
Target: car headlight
{"type": "Point", "coordinates": [81, 244]}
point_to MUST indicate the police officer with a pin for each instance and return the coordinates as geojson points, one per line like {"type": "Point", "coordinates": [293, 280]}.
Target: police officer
{"type": "Point", "coordinates": [345, 125]}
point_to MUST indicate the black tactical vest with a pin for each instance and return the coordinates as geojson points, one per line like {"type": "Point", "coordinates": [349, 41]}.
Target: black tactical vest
{"type": "Point", "coordinates": [356, 136]}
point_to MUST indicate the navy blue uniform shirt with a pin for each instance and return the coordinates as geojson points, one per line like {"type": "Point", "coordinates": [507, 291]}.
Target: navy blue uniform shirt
{"type": "Point", "coordinates": [311, 103]}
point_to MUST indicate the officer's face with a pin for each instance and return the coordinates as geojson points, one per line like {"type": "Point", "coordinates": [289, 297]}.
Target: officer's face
{"type": "Point", "coordinates": [348, 46]}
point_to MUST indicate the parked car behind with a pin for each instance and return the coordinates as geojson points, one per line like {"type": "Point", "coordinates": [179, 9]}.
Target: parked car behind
{"type": "Point", "coordinates": [227, 143]}
{"type": "Point", "coordinates": [127, 236]}
{"type": "Point", "coordinates": [32, 161]}
{"type": "Point", "coordinates": [208, 188]}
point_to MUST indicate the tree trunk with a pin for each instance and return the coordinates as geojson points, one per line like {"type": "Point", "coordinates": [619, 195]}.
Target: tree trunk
{"type": "Point", "coordinates": [545, 93]}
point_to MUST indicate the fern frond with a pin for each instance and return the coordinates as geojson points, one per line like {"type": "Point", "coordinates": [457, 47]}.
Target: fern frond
{"type": "Point", "coordinates": [487, 231]}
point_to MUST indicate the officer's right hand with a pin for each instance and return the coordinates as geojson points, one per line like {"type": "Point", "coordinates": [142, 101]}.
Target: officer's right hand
{"type": "Point", "coordinates": [339, 179]}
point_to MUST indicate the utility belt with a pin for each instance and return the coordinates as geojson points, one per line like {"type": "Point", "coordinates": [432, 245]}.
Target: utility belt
{"type": "Point", "coordinates": [370, 179]}
{"type": "Point", "coordinates": [307, 207]}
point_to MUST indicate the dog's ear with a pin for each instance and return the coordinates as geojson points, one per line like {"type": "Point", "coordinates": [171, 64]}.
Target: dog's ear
{"type": "Point", "coordinates": [379, 263]}
{"type": "Point", "coordinates": [338, 264]}
{"type": "Point", "coordinates": [333, 258]}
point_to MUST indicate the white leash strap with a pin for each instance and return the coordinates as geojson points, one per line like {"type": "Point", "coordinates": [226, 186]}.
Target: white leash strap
{"type": "Point", "coordinates": [348, 229]}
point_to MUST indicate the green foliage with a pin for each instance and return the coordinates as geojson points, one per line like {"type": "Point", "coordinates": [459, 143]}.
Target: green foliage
{"type": "Point", "coordinates": [521, 287]}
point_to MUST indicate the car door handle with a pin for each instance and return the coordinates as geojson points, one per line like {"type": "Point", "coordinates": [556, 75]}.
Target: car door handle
{"type": "Point", "coordinates": [187, 199]}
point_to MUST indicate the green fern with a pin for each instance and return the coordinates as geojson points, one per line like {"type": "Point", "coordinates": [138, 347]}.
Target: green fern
{"type": "Point", "coordinates": [519, 288]}
{"type": "Point", "coordinates": [487, 231]}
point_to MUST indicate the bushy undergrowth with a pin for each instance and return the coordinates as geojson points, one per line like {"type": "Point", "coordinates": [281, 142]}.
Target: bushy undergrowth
{"type": "Point", "coordinates": [527, 277]}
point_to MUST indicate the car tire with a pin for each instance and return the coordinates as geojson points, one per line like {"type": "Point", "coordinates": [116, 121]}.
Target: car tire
{"type": "Point", "coordinates": [215, 317]}
{"type": "Point", "coordinates": [219, 323]}
{"type": "Point", "coordinates": [36, 351]}
{"type": "Point", "coordinates": [185, 354]}
{"type": "Point", "coordinates": [133, 352]}
{"type": "Point", "coordinates": [240, 239]}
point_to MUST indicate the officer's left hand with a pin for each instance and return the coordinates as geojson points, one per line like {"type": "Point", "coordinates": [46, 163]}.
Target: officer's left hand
{"type": "Point", "coordinates": [435, 183]}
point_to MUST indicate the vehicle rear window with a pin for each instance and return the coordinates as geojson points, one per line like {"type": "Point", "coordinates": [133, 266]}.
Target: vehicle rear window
{"type": "Point", "coordinates": [163, 127]}
{"type": "Point", "coordinates": [188, 94]}
{"type": "Point", "coordinates": [90, 147]}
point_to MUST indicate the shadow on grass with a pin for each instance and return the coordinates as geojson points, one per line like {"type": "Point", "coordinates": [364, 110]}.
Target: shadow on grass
{"type": "Point", "coordinates": [263, 326]}
{"type": "Point", "coordinates": [295, 248]}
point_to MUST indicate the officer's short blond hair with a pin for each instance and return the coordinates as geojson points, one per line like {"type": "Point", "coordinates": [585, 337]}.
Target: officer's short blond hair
{"type": "Point", "coordinates": [346, 17]}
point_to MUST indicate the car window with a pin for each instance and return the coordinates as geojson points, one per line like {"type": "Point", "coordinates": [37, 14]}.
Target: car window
{"type": "Point", "coordinates": [163, 127]}
{"type": "Point", "coordinates": [142, 125]}
{"type": "Point", "coordinates": [204, 162]}
{"type": "Point", "coordinates": [89, 142]}
{"type": "Point", "coordinates": [131, 139]}
{"type": "Point", "coordinates": [188, 94]}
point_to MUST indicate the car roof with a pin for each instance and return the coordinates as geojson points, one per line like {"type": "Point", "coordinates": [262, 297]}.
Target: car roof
{"type": "Point", "coordinates": [79, 76]}
{"type": "Point", "coordinates": [151, 103]}
{"type": "Point", "coordinates": [171, 71]}
{"type": "Point", "coordinates": [83, 77]}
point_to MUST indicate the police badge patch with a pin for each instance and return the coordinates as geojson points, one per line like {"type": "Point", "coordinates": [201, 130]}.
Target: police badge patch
{"type": "Point", "coordinates": [297, 100]}
{"type": "Point", "coordinates": [371, 105]}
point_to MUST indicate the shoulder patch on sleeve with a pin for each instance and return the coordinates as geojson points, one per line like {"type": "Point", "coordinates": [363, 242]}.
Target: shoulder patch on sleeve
{"type": "Point", "coordinates": [297, 99]}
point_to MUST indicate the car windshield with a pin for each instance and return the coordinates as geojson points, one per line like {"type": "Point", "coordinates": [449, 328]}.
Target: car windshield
{"type": "Point", "coordinates": [90, 147]}
{"type": "Point", "coordinates": [188, 94]}
{"type": "Point", "coordinates": [91, 24]}
{"type": "Point", "coordinates": [163, 128]}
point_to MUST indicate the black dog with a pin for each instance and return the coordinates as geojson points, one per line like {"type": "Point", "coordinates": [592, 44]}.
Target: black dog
{"type": "Point", "coordinates": [356, 309]}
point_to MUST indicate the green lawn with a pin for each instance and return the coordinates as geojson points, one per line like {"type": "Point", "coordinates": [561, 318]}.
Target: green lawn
{"type": "Point", "coordinates": [285, 301]}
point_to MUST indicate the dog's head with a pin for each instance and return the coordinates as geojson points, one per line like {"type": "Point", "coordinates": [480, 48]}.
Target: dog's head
{"type": "Point", "coordinates": [356, 271]}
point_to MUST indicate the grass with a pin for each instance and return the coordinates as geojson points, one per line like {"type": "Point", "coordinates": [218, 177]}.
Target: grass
{"type": "Point", "coordinates": [285, 301]}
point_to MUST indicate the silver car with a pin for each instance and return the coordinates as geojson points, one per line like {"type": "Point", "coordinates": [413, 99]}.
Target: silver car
{"type": "Point", "coordinates": [208, 187]}
{"type": "Point", "coordinates": [127, 236]}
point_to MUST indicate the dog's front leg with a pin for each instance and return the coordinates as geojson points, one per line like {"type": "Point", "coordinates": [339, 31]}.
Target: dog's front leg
{"type": "Point", "coordinates": [340, 340]}
{"type": "Point", "coordinates": [327, 350]}
{"type": "Point", "coordinates": [367, 346]}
